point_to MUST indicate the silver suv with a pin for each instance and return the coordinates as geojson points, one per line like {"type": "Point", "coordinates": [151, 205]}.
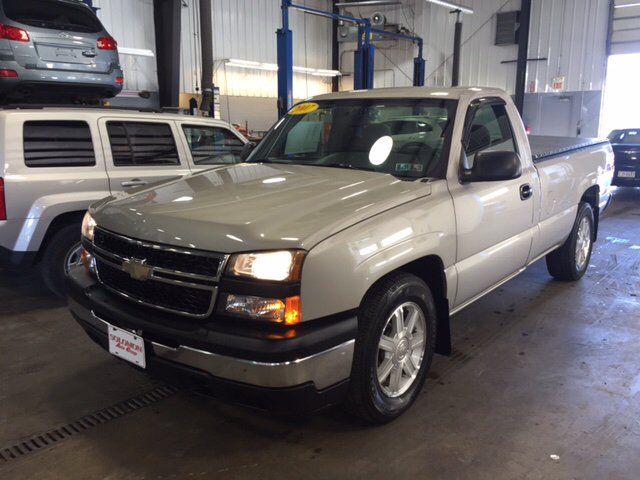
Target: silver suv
{"type": "Point", "coordinates": [55, 49]}
{"type": "Point", "coordinates": [55, 162]}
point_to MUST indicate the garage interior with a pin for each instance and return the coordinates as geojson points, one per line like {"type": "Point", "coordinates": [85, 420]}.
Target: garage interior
{"type": "Point", "coordinates": [542, 382]}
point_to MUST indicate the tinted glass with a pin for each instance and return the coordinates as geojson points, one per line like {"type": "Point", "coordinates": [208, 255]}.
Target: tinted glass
{"type": "Point", "coordinates": [629, 137]}
{"type": "Point", "coordinates": [135, 143]}
{"type": "Point", "coordinates": [491, 131]}
{"type": "Point", "coordinates": [212, 146]}
{"type": "Point", "coordinates": [408, 138]}
{"type": "Point", "coordinates": [58, 144]}
{"type": "Point", "coordinates": [52, 14]}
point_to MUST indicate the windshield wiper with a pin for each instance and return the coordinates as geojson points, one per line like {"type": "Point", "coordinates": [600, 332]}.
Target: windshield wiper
{"type": "Point", "coordinates": [346, 165]}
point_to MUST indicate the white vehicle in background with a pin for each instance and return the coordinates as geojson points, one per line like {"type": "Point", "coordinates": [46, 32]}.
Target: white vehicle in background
{"type": "Point", "coordinates": [55, 162]}
{"type": "Point", "coordinates": [326, 267]}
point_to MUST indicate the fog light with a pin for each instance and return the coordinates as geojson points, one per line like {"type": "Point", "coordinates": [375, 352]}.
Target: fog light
{"type": "Point", "coordinates": [258, 308]}
{"type": "Point", "coordinates": [88, 261]}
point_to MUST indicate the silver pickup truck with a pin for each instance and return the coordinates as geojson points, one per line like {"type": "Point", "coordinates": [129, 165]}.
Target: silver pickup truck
{"type": "Point", "coordinates": [55, 162]}
{"type": "Point", "coordinates": [326, 267]}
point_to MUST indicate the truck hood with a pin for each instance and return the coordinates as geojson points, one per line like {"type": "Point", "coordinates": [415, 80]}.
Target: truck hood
{"type": "Point", "coordinates": [252, 206]}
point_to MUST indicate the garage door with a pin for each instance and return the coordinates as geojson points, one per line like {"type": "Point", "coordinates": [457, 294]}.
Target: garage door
{"type": "Point", "coordinates": [624, 33]}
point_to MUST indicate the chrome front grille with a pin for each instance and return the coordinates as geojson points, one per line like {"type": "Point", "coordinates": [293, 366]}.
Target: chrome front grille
{"type": "Point", "coordinates": [160, 276]}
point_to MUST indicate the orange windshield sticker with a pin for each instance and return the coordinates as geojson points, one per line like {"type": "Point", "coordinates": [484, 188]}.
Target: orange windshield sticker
{"type": "Point", "coordinates": [303, 108]}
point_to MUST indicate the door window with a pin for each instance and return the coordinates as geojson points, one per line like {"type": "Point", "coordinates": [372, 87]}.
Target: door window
{"type": "Point", "coordinates": [212, 145]}
{"type": "Point", "coordinates": [490, 130]}
{"type": "Point", "coordinates": [140, 144]}
{"type": "Point", "coordinates": [58, 144]}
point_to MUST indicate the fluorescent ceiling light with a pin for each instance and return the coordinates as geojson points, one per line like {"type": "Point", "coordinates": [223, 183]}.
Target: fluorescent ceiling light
{"type": "Point", "coordinates": [452, 6]}
{"type": "Point", "coordinates": [141, 52]}
{"type": "Point", "coordinates": [318, 72]}
{"type": "Point", "coordinates": [628, 5]}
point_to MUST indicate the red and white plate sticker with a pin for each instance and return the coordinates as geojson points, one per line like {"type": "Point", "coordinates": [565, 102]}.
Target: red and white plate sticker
{"type": "Point", "coordinates": [127, 346]}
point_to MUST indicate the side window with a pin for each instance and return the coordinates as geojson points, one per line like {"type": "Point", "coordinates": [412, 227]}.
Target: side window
{"type": "Point", "coordinates": [212, 145]}
{"type": "Point", "coordinates": [491, 131]}
{"type": "Point", "coordinates": [137, 143]}
{"type": "Point", "coordinates": [58, 144]}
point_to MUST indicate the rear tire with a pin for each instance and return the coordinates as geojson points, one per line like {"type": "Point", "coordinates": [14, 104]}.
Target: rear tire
{"type": "Point", "coordinates": [394, 348]}
{"type": "Point", "coordinates": [62, 253]}
{"type": "Point", "coordinates": [571, 260]}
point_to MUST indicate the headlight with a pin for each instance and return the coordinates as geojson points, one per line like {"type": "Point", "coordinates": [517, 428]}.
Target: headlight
{"type": "Point", "coordinates": [283, 266]}
{"type": "Point", "coordinates": [88, 225]}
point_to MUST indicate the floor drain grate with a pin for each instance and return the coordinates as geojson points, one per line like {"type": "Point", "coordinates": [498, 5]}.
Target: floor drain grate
{"type": "Point", "coordinates": [56, 435]}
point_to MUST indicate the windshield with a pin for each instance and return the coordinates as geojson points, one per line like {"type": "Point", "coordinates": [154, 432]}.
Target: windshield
{"type": "Point", "coordinates": [408, 138]}
{"type": "Point", "coordinates": [54, 15]}
{"type": "Point", "coordinates": [625, 137]}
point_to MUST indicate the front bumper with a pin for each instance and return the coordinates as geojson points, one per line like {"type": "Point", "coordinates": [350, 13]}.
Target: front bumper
{"type": "Point", "coordinates": [295, 371]}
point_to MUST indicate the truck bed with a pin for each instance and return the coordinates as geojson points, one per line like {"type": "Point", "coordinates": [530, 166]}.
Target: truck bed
{"type": "Point", "coordinates": [543, 147]}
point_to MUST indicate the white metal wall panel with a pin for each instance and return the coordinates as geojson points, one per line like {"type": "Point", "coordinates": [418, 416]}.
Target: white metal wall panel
{"type": "Point", "coordinates": [571, 34]}
{"type": "Point", "coordinates": [625, 27]}
{"type": "Point", "coordinates": [130, 22]}
{"type": "Point", "coordinates": [246, 30]}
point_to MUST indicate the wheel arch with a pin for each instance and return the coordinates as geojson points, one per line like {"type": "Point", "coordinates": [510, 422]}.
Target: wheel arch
{"type": "Point", "coordinates": [59, 222]}
{"type": "Point", "coordinates": [430, 269]}
{"type": "Point", "coordinates": [592, 197]}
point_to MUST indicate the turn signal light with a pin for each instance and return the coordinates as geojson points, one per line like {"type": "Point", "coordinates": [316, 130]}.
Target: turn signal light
{"type": "Point", "coordinates": [13, 33]}
{"type": "Point", "coordinates": [107, 43]}
{"type": "Point", "coordinates": [292, 312]}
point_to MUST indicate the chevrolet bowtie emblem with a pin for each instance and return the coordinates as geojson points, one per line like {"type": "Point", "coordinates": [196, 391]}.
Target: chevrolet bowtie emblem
{"type": "Point", "coordinates": [137, 269]}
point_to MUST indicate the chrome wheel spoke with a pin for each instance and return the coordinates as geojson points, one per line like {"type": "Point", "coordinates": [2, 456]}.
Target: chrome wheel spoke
{"type": "Point", "coordinates": [416, 342]}
{"type": "Point", "coordinates": [398, 321]}
{"type": "Point", "coordinates": [385, 369]}
{"type": "Point", "coordinates": [409, 367]}
{"type": "Point", "coordinates": [387, 344]}
{"type": "Point", "coordinates": [411, 324]}
{"type": "Point", "coordinates": [394, 381]}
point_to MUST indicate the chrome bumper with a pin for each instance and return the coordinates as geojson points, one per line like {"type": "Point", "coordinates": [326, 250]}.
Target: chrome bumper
{"type": "Point", "coordinates": [323, 369]}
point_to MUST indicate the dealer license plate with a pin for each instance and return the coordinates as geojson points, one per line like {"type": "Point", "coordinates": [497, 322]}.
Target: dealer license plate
{"type": "Point", "coordinates": [627, 174]}
{"type": "Point", "coordinates": [127, 346]}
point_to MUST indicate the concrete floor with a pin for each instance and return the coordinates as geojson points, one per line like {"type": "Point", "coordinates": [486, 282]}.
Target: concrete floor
{"type": "Point", "coordinates": [540, 369]}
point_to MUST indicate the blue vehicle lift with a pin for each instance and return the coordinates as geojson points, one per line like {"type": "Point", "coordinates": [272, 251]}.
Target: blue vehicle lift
{"type": "Point", "coordinates": [363, 61]}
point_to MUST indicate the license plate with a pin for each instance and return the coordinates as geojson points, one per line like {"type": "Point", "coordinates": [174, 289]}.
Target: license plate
{"type": "Point", "coordinates": [627, 174]}
{"type": "Point", "coordinates": [126, 345]}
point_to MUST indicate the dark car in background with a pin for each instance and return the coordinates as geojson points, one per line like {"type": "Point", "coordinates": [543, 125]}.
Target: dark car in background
{"type": "Point", "coordinates": [626, 147]}
{"type": "Point", "coordinates": [55, 50]}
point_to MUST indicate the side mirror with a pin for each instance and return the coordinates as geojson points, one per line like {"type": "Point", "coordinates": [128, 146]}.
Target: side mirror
{"type": "Point", "coordinates": [246, 150]}
{"type": "Point", "coordinates": [491, 166]}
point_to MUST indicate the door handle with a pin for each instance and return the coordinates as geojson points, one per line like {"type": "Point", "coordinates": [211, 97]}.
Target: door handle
{"type": "Point", "coordinates": [525, 191]}
{"type": "Point", "coordinates": [135, 182]}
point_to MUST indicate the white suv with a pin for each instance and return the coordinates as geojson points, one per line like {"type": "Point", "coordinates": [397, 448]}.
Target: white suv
{"type": "Point", "coordinates": [55, 162]}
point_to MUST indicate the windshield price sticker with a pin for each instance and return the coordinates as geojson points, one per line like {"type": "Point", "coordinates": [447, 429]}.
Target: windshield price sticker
{"type": "Point", "coordinates": [304, 108]}
{"type": "Point", "coordinates": [127, 346]}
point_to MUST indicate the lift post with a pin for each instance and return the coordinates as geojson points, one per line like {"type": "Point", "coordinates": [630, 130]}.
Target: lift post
{"type": "Point", "coordinates": [363, 60]}
{"type": "Point", "coordinates": [285, 62]}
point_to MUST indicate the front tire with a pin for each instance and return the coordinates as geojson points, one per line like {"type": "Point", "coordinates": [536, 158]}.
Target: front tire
{"type": "Point", "coordinates": [62, 253]}
{"type": "Point", "coordinates": [571, 260]}
{"type": "Point", "coordinates": [394, 348]}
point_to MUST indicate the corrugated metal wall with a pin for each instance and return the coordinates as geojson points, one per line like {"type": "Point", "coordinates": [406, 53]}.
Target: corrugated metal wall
{"type": "Point", "coordinates": [130, 22]}
{"type": "Point", "coordinates": [246, 30]}
{"type": "Point", "coordinates": [571, 34]}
